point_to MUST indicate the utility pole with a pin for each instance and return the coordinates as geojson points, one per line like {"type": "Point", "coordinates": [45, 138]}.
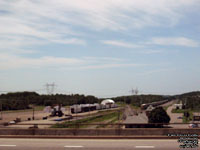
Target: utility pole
{"type": "Point", "coordinates": [1, 118]}
{"type": "Point", "coordinates": [118, 117]}
{"type": "Point", "coordinates": [76, 107]}
{"type": "Point", "coordinates": [33, 113]}
{"type": "Point", "coordinates": [89, 108]}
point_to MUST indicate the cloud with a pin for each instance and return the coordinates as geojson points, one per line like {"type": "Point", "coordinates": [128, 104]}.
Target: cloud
{"type": "Point", "coordinates": [103, 59]}
{"type": "Point", "coordinates": [121, 44]}
{"type": "Point", "coordinates": [157, 71]}
{"type": "Point", "coordinates": [176, 41]}
{"type": "Point", "coordinates": [9, 62]}
{"type": "Point", "coordinates": [23, 24]}
{"type": "Point", "coordinates": [14, 41]}
{"type": "Point", "coordinates": [69, 41]}
{"type": "Point", "coordinates": [29, 23]}
{"type": "Point", "coordinates": [118, 14]}
{"type": "Point", "coordinates": [40, 18]}
{"type": "Point", "coordinates": [151, 51]}
{"type": "Point", "coordinates": [20, 51]}
{"type": "Point", "coordinates": [106, 66]}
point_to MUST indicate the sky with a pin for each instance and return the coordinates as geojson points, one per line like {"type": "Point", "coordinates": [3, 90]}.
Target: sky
{"type": "Point", "coordinates": [103, 48]}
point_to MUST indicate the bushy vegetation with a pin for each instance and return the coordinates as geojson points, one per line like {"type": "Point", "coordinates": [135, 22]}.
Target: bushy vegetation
{"type": "Point", "coordinates": [158, 115]}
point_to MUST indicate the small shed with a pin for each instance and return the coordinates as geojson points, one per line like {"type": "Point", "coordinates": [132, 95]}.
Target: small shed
{"type": "Point", "coordinates": [149, 109]}
{"type": "Point", "coordinates": [178, 106]}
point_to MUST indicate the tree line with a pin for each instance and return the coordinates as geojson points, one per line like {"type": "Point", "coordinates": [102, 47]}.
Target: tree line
{"type": "Point", "coordinates": [23, 100]}
{"type": "Point", "coordinates": [190, 100]}
{"type": "Point", "coordinates": [138, 100]}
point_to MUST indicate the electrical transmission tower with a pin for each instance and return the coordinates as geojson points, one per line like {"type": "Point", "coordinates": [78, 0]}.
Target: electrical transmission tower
{"type": "Point", "coordinates": [134, 91]}
{"type": "Point", "coordinates": [50, 88]}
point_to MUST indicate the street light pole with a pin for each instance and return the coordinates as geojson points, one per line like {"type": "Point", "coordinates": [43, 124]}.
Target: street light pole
{"type": "Point", "coordinates": [89, 109]}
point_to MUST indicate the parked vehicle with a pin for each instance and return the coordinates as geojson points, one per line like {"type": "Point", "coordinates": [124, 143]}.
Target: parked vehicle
{"type": "Point", "coordinates": [193, 125]}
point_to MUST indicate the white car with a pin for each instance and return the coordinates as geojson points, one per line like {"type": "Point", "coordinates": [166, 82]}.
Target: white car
{"type": "Point", "coordinates": [193, 125]}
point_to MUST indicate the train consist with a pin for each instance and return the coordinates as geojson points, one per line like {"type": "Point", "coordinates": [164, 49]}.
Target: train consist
{"type": "Point", "coordinates": [154, 104]}
{"type": "Point", "coordinates": [90, 107]}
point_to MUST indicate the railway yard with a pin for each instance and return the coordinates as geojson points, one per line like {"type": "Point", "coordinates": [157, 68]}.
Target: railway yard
{"type": "Point", "coordinates": [94, 114]}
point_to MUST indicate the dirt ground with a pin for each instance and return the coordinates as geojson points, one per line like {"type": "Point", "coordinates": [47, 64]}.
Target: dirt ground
{"type": "Point", "coordinates": [38, 115]}
{"type": "Point", "coordinates": [23, 115]}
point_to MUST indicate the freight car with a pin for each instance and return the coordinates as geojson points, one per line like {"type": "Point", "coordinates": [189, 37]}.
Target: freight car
{"type": "Point", "coordinates": [90, 107]}
{"type": "Point", "coordinates": [154, 104]}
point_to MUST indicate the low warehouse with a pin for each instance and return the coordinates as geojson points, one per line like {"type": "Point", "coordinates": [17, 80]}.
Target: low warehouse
{"type": "Point", "coordinates": [105, 104]}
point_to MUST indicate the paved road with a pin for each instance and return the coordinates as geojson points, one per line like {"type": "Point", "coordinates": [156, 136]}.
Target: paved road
{"type": "Point", "coordinates": [78, 144]}
{"type": "Point", "coordinates": [174, 116]}
{"type": "Point", "coordinates": [131, 116]}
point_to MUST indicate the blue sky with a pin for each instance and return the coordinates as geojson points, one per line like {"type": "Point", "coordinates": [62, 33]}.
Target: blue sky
{"type": "Point", "coordinates": [100, 47]}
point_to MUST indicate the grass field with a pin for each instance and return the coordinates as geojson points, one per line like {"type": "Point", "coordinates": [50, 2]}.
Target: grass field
{"type": "Point", "coordinates": [111, 116]}
{"type": "Point", "coordinates": [135, 107]}
{"type": "Point", "coordinates": [178, 110]}
{"type": "Point", "coordinates": [185, 119]}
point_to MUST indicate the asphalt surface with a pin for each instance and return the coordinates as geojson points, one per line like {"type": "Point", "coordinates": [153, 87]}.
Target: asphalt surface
{"type": "Point", "coordinates": [86, 144]}
{"type": "Point", "coordinates": [131, 116]}
{"type": "Point", "coordinates": [174, 116]}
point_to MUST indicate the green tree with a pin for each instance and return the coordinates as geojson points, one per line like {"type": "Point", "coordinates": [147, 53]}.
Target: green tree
{"type": "Point", "coordinates": [158, 115]}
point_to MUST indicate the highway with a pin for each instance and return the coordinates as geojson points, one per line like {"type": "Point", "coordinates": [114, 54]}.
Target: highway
{"type": "Point", "coordinates": [87, 144]}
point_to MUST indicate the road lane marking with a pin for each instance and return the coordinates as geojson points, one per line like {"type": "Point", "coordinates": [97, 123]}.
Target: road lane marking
{"type": "Point", "coordinates": [8, 145]}
{"type": "Point", "coordinates": [73, 146]}
{"type": "Point", "coordinates": [144, 146]}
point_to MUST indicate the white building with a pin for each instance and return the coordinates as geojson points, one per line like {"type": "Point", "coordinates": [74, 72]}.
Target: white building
{"type": "Point", "coordinates": [178, 106]}
{"type": "Point", "coordinates": [107, 102]}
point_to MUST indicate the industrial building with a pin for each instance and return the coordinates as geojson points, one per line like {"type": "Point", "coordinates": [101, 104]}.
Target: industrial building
{"type": "Point", "coordinates": [105, 104]}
